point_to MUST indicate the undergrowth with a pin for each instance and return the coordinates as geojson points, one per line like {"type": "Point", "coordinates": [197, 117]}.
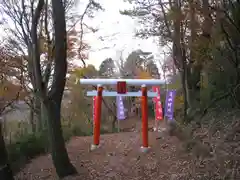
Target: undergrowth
{"type": "Point", "coordinates": [214, 145]}
{"type": "Point", "coordinates": [27, 145]}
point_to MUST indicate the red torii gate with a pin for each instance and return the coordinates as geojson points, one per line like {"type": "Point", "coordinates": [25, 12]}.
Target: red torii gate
{"type": "Point", "coordinates": [121, 91]}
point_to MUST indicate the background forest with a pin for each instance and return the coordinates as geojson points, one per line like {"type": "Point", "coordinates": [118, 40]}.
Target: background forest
{"type": "Point", "coordinates": [44, 54]}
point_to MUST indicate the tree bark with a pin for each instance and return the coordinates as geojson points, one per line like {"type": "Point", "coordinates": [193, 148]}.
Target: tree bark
{"type": "Point", "coordinates": [31, 120]}
{"type": "Point", "coordinates": [114, 123]}
{"type": "Point", "coordinates": [52, 103]}
{"type": "Point", "coordinates": [179, 53]}
{"type": "Point", "coordinates": [194, 66]}
{"type": "Point", "coordinates": [5, 169]}
{"type": "Point", "coordinates": [206, 40]}
{"type": "Point", "coordinates": [38, 114]}
{"type": "Point", "coordinates": [57, 145]}
{"type": "Point", "coordinates": [43, 117]}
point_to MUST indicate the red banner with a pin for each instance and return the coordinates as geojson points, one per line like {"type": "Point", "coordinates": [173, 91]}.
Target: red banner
{"type": "Point", "coordinates": [158, 104]}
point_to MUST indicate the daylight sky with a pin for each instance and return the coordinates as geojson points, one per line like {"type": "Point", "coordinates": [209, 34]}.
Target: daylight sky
{"type": "Point", "coordinates": [117, 31]}
{"type": "Point", "coordinates": [115, 35]}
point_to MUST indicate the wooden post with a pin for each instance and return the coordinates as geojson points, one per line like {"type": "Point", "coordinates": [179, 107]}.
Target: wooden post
{"type": "Point", "coordinates": [144, 117]}
{"type": "Point", "coordinates": [97, 120]}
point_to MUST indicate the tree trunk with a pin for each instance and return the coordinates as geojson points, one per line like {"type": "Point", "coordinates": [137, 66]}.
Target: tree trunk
{"type": "Point", "coordinates": [53, 101]}
{"type": "Point", "coordinates": [38, 114]}
{"type": "Point", "coordinates": [43, 117]}
{"type": "Point", "coordinates": [5, 169]}
{"type": "Point", "coordinates": [194, 66]}
{"type": "Point", "coordinates": [31, 120]}
{"type": "Point", "coordinates": [186, 95]}
{"type": "Point", "coordinates": [114, 123]}
{"type": "Point", "coordinates": [57, 145]}
{"type": "Point", "coordinates": [206, 40]}
{"type": "Point", "coordinates": [179, 53]}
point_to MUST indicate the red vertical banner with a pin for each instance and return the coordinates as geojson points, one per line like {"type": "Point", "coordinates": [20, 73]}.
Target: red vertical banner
{"type": "Point", "coordinates": [158, 104]}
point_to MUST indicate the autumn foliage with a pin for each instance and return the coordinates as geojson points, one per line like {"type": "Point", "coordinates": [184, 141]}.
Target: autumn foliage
{"type": "Point", "coordinates": [76, 48]}
{"type": "Point", "coordinates": [11, 87]}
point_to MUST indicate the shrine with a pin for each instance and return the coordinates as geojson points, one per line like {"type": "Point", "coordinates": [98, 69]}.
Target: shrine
{"type": "Point", "coordinates": [121, 85]}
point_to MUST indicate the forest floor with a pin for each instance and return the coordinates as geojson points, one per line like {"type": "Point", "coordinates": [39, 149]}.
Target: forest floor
{"type": "Point", "coordinates": [118, 158]}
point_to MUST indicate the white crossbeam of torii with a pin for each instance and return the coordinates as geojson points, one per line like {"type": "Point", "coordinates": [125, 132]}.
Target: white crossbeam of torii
{"type": "Point", "coordinates": [136, 82]}
{"type": "Point", "coordinates": [133, 82]}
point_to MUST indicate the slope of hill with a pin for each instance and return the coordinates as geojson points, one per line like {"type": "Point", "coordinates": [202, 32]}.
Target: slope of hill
{"type": "Point", "coordinates": [119, 158]}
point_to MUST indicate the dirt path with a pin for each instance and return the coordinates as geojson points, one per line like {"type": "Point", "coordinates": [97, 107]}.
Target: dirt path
{"type": "Point", "coordinates": [118, 158]}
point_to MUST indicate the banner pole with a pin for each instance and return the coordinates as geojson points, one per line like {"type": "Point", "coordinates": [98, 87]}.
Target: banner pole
{"type": "Point", "coordinates": [118, 126]}
{"type": "Point", "coordinates": [164, 118]}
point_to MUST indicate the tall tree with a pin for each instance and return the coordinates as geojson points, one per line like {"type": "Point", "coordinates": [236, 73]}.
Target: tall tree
{"type": "Point", "coordinates": [166, 20]}
{"type": "Point", "coordinates": [37, 31]}
{"type": "Point", "coordinates": [107, 68]}
{"type": "Point", "coordinates": [52, 101]}
{"type": "Point", "coordinates": [152, 68]}
{"type": "Point", "coordinates": [134, 61]}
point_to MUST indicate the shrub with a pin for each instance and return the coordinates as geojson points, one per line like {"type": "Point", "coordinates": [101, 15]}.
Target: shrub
{"type": "Point", "coordinates": [29, 145]}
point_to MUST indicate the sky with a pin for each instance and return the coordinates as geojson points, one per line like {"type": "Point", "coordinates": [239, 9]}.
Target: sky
{"type": "Point", "coordinates": [117, 31]}
{"type": "Point", "coordinates": [115, 34]}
